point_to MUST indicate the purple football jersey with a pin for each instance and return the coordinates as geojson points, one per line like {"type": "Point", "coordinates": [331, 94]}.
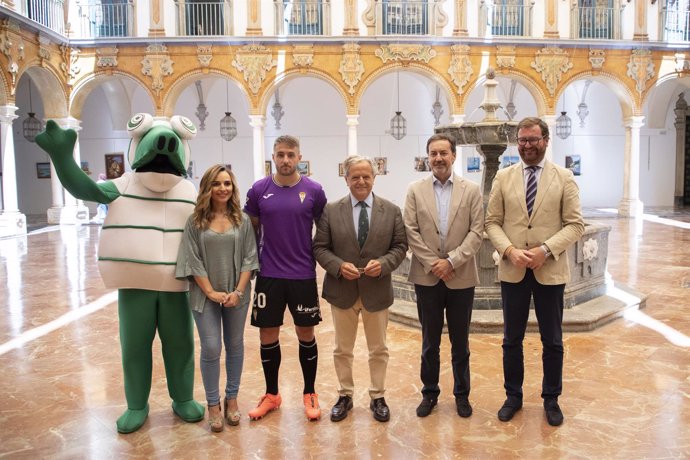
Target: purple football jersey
{"type": "Point", "coordinates": [286, 215]}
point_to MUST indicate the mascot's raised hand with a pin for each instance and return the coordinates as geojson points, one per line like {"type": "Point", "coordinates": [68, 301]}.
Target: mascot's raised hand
{"type": "Point", "coordinates": [148, 209]}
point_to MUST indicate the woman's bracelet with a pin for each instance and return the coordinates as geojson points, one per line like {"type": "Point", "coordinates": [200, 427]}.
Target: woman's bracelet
{"type": "Point", "coordinates": [239, 293]}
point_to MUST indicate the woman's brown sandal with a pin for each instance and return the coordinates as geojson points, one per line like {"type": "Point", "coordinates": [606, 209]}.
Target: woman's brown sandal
{"type": "Point", "coordinates": [215, 422]}
{"type": "Point", "coordinates": [232, 418]}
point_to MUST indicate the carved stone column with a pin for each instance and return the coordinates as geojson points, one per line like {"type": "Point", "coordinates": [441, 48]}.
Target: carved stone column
{"type": "Point", "coordinates": [460, 28]}
{"type": "Point", "coordinates": [74, 212]}
{"type": "Point", "coordinates": [156, 24]}
{"type": "Point", "coordinates": [12, 222]}
{"type": "Point", "coordinates": [352, 123]}
{"type": "Point", "coordinates": [682, 112]}
{"type": "Point", "coordinates": [630, 205]}
{"type": "Point", "coordinates": [258, 122]}
{"type": "Point", "coordinates": [254, 20]}
{"type": "Point", "coordinates": [640, 29]}
{"type": "Point", "coordinates": [351, 23]}
{"type": "Point", "coordinates": [551, 19]}
{"type": "Point", "coordinates": [58, 198]}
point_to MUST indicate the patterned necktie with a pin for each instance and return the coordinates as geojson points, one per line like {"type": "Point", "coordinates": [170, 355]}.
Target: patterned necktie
{"type": "Point", "coordinates": [363, 227]}
{"type": "Point", "coordinates": [531, 189]}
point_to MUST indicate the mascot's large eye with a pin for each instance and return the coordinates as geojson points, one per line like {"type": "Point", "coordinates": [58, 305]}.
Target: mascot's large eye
{"type": "Point", "coordinates": [183, 127]}
{"type": "Point", "coordinates": [139, 124]}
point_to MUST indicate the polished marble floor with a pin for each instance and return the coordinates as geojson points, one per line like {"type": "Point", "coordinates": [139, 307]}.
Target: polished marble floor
{"type": "Point", "coordinates": [626, 385]}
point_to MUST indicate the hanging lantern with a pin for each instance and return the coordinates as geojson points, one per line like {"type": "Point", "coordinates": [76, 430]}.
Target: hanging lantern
{"type": "Point", "coordinates": [398, 123]}
{"type": "Point", "coordinates": [398, 126]}
{"type": "Point", "coordinates": [31, 125]}
{"type": "Point", "coordinates": [563, 126]}
{"type": "Point", "coordinates": [228, 127]}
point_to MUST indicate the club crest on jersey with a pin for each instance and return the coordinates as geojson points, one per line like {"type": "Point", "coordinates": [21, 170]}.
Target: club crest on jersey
{"type": "Point", "coordinates": [302, 196]}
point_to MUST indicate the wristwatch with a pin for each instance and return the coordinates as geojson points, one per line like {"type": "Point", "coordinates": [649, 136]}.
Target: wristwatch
{"type": "Point", "coordinates": [547, 251]}
{"type": "Point", "coordinates": [239, 293]}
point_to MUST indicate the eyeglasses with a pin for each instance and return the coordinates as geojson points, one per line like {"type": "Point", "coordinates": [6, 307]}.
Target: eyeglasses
{"type": "Point", "coordinates": [530, 140]}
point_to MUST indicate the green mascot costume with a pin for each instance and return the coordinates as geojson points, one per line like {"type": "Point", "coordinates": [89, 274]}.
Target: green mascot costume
{"type": "Point", "coordinates": [138, 247]}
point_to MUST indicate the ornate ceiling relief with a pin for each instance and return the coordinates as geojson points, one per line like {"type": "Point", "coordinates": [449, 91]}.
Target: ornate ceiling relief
{"type": "Point", "coordinates": [157, 64]}
{"type": "Point", "coordinates": [552, 63]}
{"type": "Point", "coordinates": [12, 46]}
{"type": "Point", "coordinates": [408, 52]}
{"type": "Point", "coordinates": [597, 58]}
{"type": "Point", "coordinates": [640, 68]}
{"type": "Point", "coordinates": [505, 57]}
{"type": "Point", "coordinates": [303, 55]}
{"type": "Point", "coordinates": [106, 57]}
{"type": "Point", "coordinates": [254, 61]}
{"type": "Point", "coordinates": [460, 69]}
{"type": "Point", "coordinates": [69, 64]}
{"type": "Point", "coordinates": [204, 54]}
{"type": "Point", "coordinates": [351, 66]}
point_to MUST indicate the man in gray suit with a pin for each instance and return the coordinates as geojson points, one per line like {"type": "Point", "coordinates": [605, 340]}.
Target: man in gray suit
{"type": "Point", "coordinates": [359, 241]}
{"type": "Point", "coordinates": [444, 219]}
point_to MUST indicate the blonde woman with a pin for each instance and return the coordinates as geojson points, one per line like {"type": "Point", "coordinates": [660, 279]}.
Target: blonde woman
{"type": "Point", "coordinates": [218, 252]}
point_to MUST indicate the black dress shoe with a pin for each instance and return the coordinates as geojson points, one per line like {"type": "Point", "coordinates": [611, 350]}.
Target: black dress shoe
{"type": "Point", "coordinates": [380, 409]}
{"type": "Point", "coordinates": [508, 410]}
{"type": "Point", "coordinates": [553, 412]}
{"type": "Point", "coordinates": [463, 406]}
{"type": "Point", "coordinates": [341, 408]}
{"type": "Point", "coordinates": [426, 406]}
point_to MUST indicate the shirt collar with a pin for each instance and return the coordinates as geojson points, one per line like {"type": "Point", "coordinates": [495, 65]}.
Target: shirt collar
{"type": "Point", "coordinates": [368, 200]}
{"type": "Point", "coordinates": [540, 164]}
{"type": "Point", "coordinates": [436, 181]}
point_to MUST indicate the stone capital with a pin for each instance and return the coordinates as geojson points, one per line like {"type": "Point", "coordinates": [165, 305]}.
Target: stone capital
{"type": "Point", "coordinates": [7, 113]}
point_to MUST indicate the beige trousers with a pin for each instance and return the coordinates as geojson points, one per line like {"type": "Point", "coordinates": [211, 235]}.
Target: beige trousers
{"type": "Point", "coordinates": [345, 322]}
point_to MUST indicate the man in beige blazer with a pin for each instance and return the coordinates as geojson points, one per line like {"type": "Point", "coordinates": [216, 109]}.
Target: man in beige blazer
{"type": "Point", "coordinates": [532, 217]}
{"type": "Point", "coordinates": [359, 241]}
{"type": "Point", "coordinates": [444, 221]}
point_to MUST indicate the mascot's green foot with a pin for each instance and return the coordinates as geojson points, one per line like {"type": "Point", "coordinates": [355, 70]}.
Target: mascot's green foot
{"type": "Point", "coordinates": [189, 411]}
{"type": "Point", "coordinates": [132, 420]}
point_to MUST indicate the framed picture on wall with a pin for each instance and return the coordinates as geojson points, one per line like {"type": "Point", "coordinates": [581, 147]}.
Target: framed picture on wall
{"type": "Point", "coordinates": [303, 168]}
{"type": "Point", "coordinates": [85, 167]}
{"type": "Point", "coordinates": [473, 164]}
{"type": "Point", "coordinates": [43, 170]}
{"type": "Point", "coordinates": [341, 169]}
{"type": "Point", "coordinates": [508, 160]}
{"type": "Point", "coordinates": [267, 168]}
{"type": "Point", "coordinates": [421, 164]}
{"type": "Point", "coordinates": [572, 162]}
{"type": "Point", "coordinates": [114, 165]}
{"type": "Point", "coordinates": [382, 165]}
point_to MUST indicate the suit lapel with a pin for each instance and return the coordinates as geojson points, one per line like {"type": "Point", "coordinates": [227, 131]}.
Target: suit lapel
{"type": "Point", "coordinates": [456, 198]}
{"type": "Point", "coordinates": [545, 181]}
{"type": "Point", "coordinates": [517, 180]}
{"type": "Point", "coordinates": [346, 219]}
{"type": "Point", "coordinates": [430, 198]}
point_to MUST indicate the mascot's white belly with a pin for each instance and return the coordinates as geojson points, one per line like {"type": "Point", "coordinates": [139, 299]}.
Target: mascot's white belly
{"type": "Point", "coordinates": [142, 232]}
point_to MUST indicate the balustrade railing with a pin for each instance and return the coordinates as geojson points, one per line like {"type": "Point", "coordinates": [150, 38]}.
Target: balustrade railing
{"type": "Point", "coordinates": [49, 13]}
{"type": "Point", "coordinates": [404, 17]}
{"type": "Point", "coordinates": [301, 17]}
{"type": "Point", "coordinates": [509, 20]}
{"type": "Point", "coordinates": [203, 18]}
{"type": "Point", "coordinates": [106, 19]}
{"type": "Point", "coordinates": [596, 22]}
{"type": "Point", "coordinates": [676, 24]}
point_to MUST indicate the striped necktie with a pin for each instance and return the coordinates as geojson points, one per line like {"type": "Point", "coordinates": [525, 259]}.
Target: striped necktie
{"type": "Point", "coordinates": [531, 188]}
{"type": "Point", "coordinates": [363, 225]}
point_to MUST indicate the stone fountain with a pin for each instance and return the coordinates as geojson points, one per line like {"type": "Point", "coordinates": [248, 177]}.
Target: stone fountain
{"type": "Point", "coordinates": [591, 299]}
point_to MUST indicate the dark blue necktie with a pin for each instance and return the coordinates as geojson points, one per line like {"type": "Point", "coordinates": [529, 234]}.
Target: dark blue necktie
{"type": "Point", "coordinates": [531, 189]}
{"type": "Point", "coordinates": [363, 226]}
